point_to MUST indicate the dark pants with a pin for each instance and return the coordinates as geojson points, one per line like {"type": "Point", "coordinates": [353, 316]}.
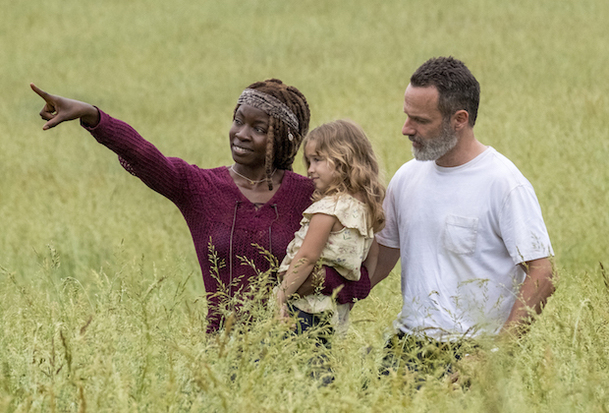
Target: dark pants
{"type": "Point", "coordinates": [322, 332]}
{"type": "Point", "coordinates": [321, 322]}
{"type": "Point", "coordinates": [424, 355]}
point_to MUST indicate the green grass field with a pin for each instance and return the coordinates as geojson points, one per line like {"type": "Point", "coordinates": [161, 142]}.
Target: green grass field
{"type": "Point", "coordinates": [101, 298]}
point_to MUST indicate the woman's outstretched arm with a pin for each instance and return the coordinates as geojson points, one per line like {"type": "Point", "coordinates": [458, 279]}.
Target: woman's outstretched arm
{"type": "Point", "coordinates": [137, 155]}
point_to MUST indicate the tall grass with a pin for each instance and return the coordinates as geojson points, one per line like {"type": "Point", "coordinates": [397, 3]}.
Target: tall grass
{"type": "Point", "coordinates": [101, 302]}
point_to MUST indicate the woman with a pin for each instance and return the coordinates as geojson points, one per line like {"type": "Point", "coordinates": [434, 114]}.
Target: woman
{"type": "Point", "coordinates": [232, 212]}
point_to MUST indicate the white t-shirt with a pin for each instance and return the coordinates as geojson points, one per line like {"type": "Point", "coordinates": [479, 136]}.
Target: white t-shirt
{"type": "Point", "coordinates": [462, 232]}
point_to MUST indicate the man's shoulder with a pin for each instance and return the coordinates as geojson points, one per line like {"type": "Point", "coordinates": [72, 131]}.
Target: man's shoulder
{"type": "Point", "coordinates": [503, 168]}
{"type": "Point", "coordinates": [497, 157]}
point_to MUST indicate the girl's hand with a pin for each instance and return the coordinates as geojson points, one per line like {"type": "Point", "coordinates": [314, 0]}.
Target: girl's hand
{"type": "Point", "coordinates": [58, 109]}
{"type": "Point", "coordinates": [284, 314]}
{"type": "Point", "coordinates": [282, 306]}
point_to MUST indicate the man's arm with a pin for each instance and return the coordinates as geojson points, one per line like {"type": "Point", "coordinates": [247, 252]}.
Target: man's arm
{"type": "Point", "coordinates": [534, 293]}
{"type": "Point", "coordinates": [387, 258]}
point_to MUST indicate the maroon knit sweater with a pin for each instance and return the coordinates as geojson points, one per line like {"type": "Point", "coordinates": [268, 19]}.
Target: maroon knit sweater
{"type": "Point", "coordinates": [219, 215]}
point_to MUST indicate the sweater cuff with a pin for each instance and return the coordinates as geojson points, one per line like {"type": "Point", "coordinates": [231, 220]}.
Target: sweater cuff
{"type": "Point", "coordinates": [102, 117]}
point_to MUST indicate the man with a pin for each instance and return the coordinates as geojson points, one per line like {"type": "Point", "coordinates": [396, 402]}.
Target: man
{"type": "Point", "coordinates": [464, 221]}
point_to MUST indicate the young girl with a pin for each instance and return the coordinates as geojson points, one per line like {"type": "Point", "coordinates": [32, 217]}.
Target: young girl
{"type": "Point", "coordinates": [337, 230]}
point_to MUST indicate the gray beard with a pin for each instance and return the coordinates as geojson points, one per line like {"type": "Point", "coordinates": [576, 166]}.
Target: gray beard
{"type": "Point", "coordinates": [434, 148]}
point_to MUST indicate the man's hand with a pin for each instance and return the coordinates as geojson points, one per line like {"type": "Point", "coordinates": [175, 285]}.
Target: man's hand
{"type": "Point", "coordinates": [58, 109]}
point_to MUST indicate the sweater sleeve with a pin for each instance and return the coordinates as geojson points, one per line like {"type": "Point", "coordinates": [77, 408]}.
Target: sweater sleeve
{"type": "Point", "coordinates": [141, 158]}
{"type": "Point", "coordinates": [351, 290]}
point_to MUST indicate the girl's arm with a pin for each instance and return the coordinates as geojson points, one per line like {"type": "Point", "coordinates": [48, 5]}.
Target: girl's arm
{"type": "Point", "coordinates": [307, 256]}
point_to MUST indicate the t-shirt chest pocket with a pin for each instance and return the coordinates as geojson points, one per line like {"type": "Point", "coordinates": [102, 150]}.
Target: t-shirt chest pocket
{"type": "Point", "coordinates": [460, 234]}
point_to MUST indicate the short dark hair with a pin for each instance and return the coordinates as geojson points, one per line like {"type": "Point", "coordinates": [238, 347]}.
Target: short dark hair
{"type": "Point", "coordinates": [457, 88]}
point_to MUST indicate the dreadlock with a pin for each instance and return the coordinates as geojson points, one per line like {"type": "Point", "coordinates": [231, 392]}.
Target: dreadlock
{"type": "Point", "coordinates": [280, 150]}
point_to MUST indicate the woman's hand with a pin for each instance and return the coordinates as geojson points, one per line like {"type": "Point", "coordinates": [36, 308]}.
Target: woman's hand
{"type": "Point", "coordinates": [58, 109]}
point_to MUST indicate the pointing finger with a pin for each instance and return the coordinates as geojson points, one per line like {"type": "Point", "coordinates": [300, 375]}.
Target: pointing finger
{"type": "Point", "coordinates": [40, 92]}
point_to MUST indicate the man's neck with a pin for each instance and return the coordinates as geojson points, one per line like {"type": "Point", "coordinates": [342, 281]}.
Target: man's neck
{"type": "Point", "coordinates": [467, 148]}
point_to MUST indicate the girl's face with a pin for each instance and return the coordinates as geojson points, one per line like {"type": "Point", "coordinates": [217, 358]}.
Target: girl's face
{"type": "Point", "coordinates": [248, 136]}
{"type": "Point", "coordinates": [320, 170]}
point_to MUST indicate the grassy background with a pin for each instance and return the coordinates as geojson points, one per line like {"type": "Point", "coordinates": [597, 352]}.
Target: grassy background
{"type": "Point", "coordinates": [84, 244]}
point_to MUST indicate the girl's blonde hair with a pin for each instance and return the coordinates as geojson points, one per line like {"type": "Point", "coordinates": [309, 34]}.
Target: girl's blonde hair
{"type": "Point", "coordinates": [347, 149]}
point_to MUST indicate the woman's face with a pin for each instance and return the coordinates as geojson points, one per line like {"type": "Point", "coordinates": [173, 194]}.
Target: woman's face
{"type": "Point", "coordinates": [248, 136]}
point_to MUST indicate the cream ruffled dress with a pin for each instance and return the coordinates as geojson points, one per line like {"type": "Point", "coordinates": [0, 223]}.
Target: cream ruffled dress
{"type": "Point", "coordinates": [345, 250]}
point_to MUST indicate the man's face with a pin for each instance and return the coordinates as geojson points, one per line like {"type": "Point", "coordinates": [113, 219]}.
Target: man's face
{"type": "Point", "coordinates": [432, 136]}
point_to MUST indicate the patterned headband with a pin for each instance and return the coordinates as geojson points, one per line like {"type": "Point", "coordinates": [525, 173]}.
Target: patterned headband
{"type": "Point", "coordinates": [270, 105]}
